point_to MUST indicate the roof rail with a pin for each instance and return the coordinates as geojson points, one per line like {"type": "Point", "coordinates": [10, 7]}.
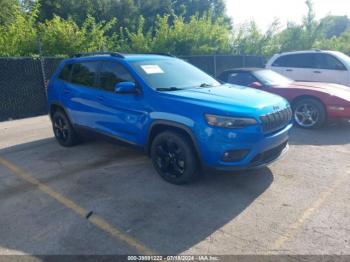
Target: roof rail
{"type": "Point", "coordinates": [159, 53]}
{"type": "Point", "coordinates": [115, 54]}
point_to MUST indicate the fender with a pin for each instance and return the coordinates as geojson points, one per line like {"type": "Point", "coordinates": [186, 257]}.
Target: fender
{"type": "Point", "coordinates": [58, 104]}
{"type": "Point", "coordinates": [169, 123]}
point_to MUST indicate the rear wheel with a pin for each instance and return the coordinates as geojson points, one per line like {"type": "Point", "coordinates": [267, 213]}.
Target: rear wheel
{"type": "Point", "coordinates": [309, 113]}
{"type": "Point", "coordinates": [174, 158]}
{"type": "Point", "coordinates": [63, 130]}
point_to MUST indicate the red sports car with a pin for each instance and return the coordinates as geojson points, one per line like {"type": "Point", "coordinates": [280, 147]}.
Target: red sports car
{"type": "Point", "coordinates": [313, 103]}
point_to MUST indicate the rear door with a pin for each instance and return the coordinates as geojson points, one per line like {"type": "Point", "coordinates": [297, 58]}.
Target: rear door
{"type": "Point", "coordinates": [298, 67]}
{"type": "Point", "coordinates": [81, 95]}
{"type": "Point", "coordinates": [284, 65]}
{"type": "Point", "coordinates": [329, 69]}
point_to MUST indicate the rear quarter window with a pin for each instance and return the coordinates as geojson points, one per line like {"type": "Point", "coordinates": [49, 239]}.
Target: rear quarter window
{"type": "Point", "coordinates": [329, 62]}
{"type": "Point", "coordinates": [65, 73]}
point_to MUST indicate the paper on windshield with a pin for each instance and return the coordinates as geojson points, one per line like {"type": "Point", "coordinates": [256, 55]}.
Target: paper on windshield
{"type": "Point", "coordinates": [152, 69]}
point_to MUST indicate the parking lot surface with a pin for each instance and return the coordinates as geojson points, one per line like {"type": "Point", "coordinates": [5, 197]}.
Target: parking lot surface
{"type": "Point", "coordinates": [104, 198]}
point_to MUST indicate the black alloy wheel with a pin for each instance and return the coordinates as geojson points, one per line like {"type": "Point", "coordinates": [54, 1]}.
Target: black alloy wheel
{"type": "Point", "coordinates": [63, 130]}
{"type": "Point", "coordinates": [174, 158]}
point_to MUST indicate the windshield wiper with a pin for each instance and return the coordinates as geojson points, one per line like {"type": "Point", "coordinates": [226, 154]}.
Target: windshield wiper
{"type": "Point", "coordinates": [205, 85]}
{"type": "Point", "coordinates": [173, 88]}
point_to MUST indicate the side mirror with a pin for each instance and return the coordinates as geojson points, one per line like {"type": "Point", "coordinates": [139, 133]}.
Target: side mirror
{"type": "Point", "coordinates": [256, 85]}
{"type": "Point", "coordinates": [125, 88]}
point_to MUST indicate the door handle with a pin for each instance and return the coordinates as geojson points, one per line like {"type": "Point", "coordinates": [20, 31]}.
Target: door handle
{"type": "Point", "coordinates": [289, 70]}
{"type": "Point", "coordinates": [67, 91]}
{"type": "Point", "coordinates": [317, 72]}
{"type": "Point", "coordinates": [100, 98]}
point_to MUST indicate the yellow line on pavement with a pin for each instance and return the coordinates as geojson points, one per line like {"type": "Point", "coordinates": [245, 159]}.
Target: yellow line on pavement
{"type": "Point", "coordinates": [95, 220]}
{"type": "Point", "coordinates": [294, 228]}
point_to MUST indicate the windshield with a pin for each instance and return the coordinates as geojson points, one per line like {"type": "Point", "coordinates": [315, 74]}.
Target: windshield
{"type": "Point", "coordinates": [271, 78]}
{"type": "Point", "coordinates": [172, 74]}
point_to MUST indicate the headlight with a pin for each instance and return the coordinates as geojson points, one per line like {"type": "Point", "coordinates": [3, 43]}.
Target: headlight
{"type": "Point", "coordinates": [229, 122]}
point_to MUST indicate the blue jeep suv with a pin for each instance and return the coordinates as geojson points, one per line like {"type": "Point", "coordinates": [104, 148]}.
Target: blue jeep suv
{"type": "Point", "coordinates": [182, 117]}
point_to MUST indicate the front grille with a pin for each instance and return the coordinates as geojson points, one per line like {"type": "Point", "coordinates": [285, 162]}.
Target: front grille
{"type": "Point", "coordinates": [276, 120]}
{"type": "Point", "coordinates": [270, 154]}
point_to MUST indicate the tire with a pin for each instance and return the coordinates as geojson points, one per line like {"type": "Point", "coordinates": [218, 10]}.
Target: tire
{"type": "Point", "coordinates": [309, 113]}
{"type": "Point", "coordinates": [63, 130]}
{"type": "Point", "coordinates": [174, 158]}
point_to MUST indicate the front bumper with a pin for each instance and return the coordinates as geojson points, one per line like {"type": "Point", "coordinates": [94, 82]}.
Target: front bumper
{"type": "Point", "coordinates": [263, 149]}
{"type": "Point", "coordinates": [280, 151]}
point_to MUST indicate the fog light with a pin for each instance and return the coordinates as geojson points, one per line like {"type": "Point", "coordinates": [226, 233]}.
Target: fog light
{"type": "Point", "coordinates": [336, 108]}
{"type": "Point", "coordinates": [235, 155]}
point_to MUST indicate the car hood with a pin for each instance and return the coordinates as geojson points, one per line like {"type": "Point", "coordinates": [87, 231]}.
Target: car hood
{"type": "Point", "coordinates": [329, 88]}
{"type": "Point", "coordinates": [232, 98]}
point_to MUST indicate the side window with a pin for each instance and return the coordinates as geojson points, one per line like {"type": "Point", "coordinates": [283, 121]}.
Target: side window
{"type": "Point", "coordinates": [85, 73]}
{"type": "Point", "coordinates": [243, 79]}
{"type": "Point", "coordinates": [303, 61]}
{"type": "Point", "coordinates": [112, 73]}
{"type": "Point", "coordinates": [65, 73]}
{"type": "Point", "coordinates": [296, 61]}
{"type": "Point", "coordinates": [326, 61]}
{"type": "Point", "coordinates": [282, 61]}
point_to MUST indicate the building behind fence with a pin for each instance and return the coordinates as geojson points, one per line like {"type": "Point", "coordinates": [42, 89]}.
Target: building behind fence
{"type": "Point", "coordinates": [22, 88]}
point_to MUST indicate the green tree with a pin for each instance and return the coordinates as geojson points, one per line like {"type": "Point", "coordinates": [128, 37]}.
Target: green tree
{"type": "Point", "coordinates": [201, 35]}
{"type": "Point", "coordinates": [60, 37]}
{"type": "Point", "coordinates": [341, 43]}
{"type": "Point", "coordinates": [188, 8]}
{"type": "Point", "coordinates": [301, 37]}
{"type": "Point", "coordinates": [19, 37]}
{"type": "Point", "coordinates": [334, 25]}
{"type": "Point", "coordinates": [139, 41]}
{"type": "Point", "coordinates": [311, 27]}
{"type": "Point", "coordinates": [128, 11]}
{"type": "Point", "coordinates": [249, 40]}
{"type": "Point", "coordinates": [65, 37]}
{"type": "Point", "coordinates": [8, 11]}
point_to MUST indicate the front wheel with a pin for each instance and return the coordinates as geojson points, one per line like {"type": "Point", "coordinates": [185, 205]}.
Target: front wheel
{"type": "Point", "coordinates": [174, 158]}
{"type": "Point", "coordinates": [309, 113]}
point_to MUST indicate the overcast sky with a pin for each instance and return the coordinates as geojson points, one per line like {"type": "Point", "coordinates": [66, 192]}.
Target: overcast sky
{"type": "Point", "coordinates": [264, 11]}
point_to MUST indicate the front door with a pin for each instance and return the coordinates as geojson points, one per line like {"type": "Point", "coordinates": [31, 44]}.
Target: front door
{"type": "Point", "coordinates": [329, 69]}
{"type": "Point", "coordinates": [124, 115]}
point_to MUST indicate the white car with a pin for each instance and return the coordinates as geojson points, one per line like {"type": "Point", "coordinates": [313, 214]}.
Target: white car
{"type": "Point", "coordinates": [313, 65]}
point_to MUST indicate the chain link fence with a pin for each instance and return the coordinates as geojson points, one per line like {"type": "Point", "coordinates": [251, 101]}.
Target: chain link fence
{"type": "Point", "coordinates": [22, 92]}
{"type": "Point", "coordinates": [22, 80]}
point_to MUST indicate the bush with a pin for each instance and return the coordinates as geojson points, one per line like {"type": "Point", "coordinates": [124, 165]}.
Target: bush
{"type": "Point", "coordinates": [19, 37]}
{"type": "Point", "coordinates": [201, 35]}
{"type": "Point", "coordinates": [21, 33]}
{"type": "Point", "coordinates": [64, 37]}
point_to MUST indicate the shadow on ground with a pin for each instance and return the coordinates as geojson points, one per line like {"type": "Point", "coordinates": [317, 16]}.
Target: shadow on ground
{"type": "Point", "coordinates": [120, 185]}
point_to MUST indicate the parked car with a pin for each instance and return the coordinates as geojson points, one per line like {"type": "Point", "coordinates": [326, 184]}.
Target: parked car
{"type": "Point", "coordinates": [312, 102]}
{"type": "Point", "coordinates": [182, 117]}
{"type": "Point", "coordinates": [313, 66]}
